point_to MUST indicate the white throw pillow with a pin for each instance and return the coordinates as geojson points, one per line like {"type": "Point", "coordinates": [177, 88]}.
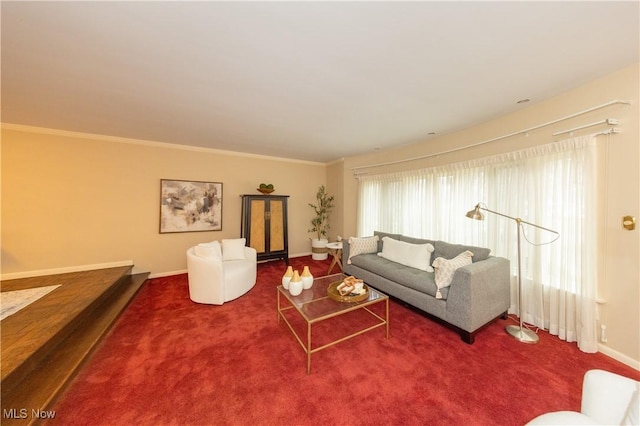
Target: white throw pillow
{"type": "Point", "coordinates": [361, 246]}
{"type": "Point", "coordinates": [445, 268]}
{"type": "Point", "coordinates": [233, 249]}
{"type": "Point", "coordinates": [210, 250]}
{"type": "Point", "coordinates": [414, 255]}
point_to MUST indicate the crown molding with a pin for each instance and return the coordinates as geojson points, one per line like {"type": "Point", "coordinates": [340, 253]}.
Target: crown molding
{"type": "Point", "coordinates": [143, 142]}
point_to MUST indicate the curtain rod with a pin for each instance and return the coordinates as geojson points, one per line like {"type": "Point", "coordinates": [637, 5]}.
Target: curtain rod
{"type": "Point", "coordinates": [611, 131]}
{"type": "Point", "coordinates": [609, 121]}
{"type": "Point", "coordinates": [530, 129]}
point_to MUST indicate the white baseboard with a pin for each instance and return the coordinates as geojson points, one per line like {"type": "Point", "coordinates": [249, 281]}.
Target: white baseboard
{"type": "Point", "coordinates": [300, 254]}
{"type": "Point", "coordinates": [64, 270]}
{"type": "Point", "coordinates": [635, 364]}
{"type": "Point", "coordinates": [167, 274]}
{"type": "Point", "coordinates": [184, 271]}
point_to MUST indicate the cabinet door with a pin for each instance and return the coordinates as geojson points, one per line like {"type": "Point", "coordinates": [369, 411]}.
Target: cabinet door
{"type": "Point", "coordinates": [257, 236]}
{"type": "Point", "coordinates": [276, 225]}
{"type": "Point", "coordinates": [264, 225]}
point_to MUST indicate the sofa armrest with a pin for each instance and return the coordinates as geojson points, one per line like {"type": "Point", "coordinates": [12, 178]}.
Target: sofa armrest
{"type": "Point", "coordinates": [479, 293]}
{"type": "Point", "coordinates": [206, 279]}
{"type": "Point", "coordinates": [606, 396]}
{"type": "Point", "coordinates": [204, 267]}
{"type": "Point", "coordinates": [250, 254]}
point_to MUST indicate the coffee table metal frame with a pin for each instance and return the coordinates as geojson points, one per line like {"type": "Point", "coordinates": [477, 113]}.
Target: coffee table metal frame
{"type": "Point", "coordinates": [314, 305]}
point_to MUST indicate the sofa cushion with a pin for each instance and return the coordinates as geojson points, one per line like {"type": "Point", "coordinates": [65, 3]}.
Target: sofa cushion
{"type": "Point", "coordinates": [449, 251]}
{"type": "Point", "coordinates": [233, 249]}
{"type": "Point", "coordinates": [409, 277]}
{"type": "Point", "coordinates": [210, 250]}
{"type": "Point", "coordinates": [362, 245]}
{"type": "Point", "coordinates": [446, 268]}
{"type": "Point", "coordinates": [414, 255]}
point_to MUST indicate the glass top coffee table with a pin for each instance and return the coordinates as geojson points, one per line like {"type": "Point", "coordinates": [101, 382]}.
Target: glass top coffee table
{"type": "Point", "coordinates": [314, 306]}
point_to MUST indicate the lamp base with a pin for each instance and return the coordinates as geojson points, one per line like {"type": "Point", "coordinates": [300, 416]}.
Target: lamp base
{"type": "Point", "coordinates": [521, 334]}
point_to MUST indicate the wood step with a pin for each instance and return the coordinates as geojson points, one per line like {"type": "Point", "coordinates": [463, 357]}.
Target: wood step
{"type": "Point", "coordinates": [92, 305]}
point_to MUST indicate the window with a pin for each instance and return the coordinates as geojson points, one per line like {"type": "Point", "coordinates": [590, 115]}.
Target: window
{"type": "Point", "coordinates": [551, 185]}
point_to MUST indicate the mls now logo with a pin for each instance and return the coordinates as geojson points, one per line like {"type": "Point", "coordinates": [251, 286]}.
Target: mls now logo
{"type": "Point", "coordinates": [23, 413]}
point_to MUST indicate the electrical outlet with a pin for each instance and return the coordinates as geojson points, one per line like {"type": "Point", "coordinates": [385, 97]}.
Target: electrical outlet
{"type": "Point", "coordinates": [603, 333]}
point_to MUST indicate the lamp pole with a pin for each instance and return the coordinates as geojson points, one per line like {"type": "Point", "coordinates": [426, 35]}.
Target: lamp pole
{"type": "Point", "coordinates": [519, 332]}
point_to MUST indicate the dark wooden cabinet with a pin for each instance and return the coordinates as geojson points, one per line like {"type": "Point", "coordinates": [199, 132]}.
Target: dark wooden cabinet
{"type": "Point", "coordinates": [264, 225]}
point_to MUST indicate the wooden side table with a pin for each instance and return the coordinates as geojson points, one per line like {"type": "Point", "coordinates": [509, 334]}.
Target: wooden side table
{"type": "Point", "coordinates": [335, 249]}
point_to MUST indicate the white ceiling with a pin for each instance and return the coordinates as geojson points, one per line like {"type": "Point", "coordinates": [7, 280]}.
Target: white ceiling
{"type": "Point", "coordinates": [305, 80]}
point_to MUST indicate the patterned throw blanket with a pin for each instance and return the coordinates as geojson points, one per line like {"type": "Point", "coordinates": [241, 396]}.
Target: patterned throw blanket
{"type": "Point", "coordinates": [12, 301]}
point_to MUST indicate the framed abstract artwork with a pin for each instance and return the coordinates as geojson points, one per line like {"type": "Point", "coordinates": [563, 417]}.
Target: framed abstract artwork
{"type": "Point", "coordinates": [190, 206]}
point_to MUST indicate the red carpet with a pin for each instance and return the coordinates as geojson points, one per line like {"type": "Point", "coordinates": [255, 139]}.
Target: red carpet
{"type": "Point", "coordinates": [169, 361]}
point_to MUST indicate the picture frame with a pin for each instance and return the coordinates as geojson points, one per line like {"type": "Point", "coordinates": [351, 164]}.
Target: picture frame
{"type": "Point", "coordinates": [190, 206]}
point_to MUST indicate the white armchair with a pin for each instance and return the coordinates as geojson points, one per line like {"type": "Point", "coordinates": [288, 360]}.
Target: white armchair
{"type": "Point", "coordinates": [219, 273]}
{"type": "Point", "coordinates": [607, 399]}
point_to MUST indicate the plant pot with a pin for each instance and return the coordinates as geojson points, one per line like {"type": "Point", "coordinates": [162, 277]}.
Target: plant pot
{"type": "Point", "coordinates": [319, 249]}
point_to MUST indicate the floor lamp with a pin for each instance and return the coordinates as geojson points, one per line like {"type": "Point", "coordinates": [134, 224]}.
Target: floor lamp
{"type": "Point", "coordinates": [519, 332]}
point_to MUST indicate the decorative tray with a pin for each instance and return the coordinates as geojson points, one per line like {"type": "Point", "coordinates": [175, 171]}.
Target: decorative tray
{"type": "Point", "coordinates": [334, 294]}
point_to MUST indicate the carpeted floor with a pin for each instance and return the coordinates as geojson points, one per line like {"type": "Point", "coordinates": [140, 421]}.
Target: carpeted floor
{"type": "Point", "coordinates": [169, 361]}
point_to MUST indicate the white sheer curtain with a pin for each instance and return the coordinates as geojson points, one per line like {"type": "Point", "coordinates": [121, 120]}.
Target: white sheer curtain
{"type": "Point", "coordinates": [552, 185]}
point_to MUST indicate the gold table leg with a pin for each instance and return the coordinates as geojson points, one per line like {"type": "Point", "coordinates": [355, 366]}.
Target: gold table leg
{"type": "Point", "coordinates": [387, 318]}
{"type": "Point", "coordinates": [278, 313]}
{"type": "Point", "coordinates": [308, 348]}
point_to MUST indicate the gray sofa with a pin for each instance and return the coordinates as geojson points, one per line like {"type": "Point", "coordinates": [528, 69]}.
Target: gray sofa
{"type": "Point", "coordinates": [479, 293]}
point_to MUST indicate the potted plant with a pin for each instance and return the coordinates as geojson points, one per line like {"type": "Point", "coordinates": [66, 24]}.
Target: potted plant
{"type": "Point", "coordinates": [320, 224]}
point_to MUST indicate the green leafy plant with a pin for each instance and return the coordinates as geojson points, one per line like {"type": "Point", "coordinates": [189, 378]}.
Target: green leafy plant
{"type": "Point", "coordinates": [322, 208]}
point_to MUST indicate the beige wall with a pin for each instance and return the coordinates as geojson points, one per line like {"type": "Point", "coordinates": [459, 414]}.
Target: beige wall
{"type": "Point", "coordinates": [335, 187]}
{"type": "Point", "coordinates": [71, 200]}
{"type": "Point", "coordinates": [619, 269]}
